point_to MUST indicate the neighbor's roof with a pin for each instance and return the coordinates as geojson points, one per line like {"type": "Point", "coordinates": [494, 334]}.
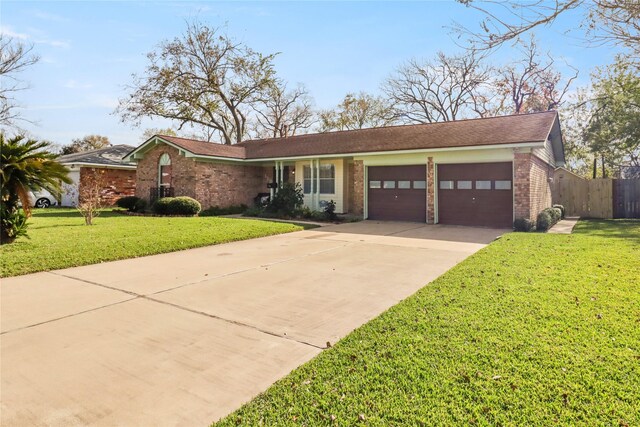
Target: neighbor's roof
{"type": "Point", "coordinates": [109, 156]}
{"type": "Point", "coordinates": [515, 129]}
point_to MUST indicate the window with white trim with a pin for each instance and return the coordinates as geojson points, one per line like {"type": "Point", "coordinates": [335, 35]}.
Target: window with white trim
{"type": "Point", "coordinates": [327, 179]}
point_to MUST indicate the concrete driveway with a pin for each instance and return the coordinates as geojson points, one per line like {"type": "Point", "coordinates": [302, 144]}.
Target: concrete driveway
{"type": "Point", "coordinates": [185, 338]}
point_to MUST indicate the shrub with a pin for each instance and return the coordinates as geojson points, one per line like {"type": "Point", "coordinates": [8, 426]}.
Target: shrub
{"type": "Point", "coordinates": [132, 203]}
{"type": "Point", "coordinates": [557, 214]}
{"type": "Point", "coordinates": [13, 224]}
{"type": "Point", "coordinates": [287, 201]}
{"type": "Point", "coordinates": [544, 221]}
{"type": "Point", "coordinates": [176, 206]}
{"type": "Point", "coordinates": [330, 211]}
{"type": "Point", "coordinates": [523, 224]}
{"type": "Point", "coordinates": [229, 210]}
{"type": "Point", "coordinates": [253, 211]}
{"type": "Point", "coordinates": [562, 210]}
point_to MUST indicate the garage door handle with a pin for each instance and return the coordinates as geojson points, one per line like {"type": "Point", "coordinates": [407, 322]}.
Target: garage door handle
{"type": "Point", "coordinates": [396, 197]}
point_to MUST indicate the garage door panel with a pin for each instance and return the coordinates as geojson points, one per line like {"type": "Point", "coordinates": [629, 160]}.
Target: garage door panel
{"type": "Point", "coordinates": [397, 204]}
{"type": "Point", "coordinates": [480, 207]}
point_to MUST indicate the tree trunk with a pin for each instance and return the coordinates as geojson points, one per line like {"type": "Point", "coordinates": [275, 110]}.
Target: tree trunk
{"type": "Point", "coordinates": [604, 170]}
{"type": "Point", "coordinates": [595, 167]}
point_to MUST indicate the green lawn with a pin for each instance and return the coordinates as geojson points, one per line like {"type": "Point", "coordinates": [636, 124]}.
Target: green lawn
{"type": "Point", "coordinates": [534, 330]}
{"type": "Point", "coordinates": [59, 238]}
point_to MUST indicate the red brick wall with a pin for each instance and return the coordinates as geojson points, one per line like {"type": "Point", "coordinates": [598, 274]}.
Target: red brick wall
{"type": "Point", "coordinates": [431, 185]}
{"type": "Point", "coordinates": [115, 183]}
{"type": "Point", "coordinates": [212, 184]}
{"type": "Point", "coordinates": [540, 191]}
{"type": "Point", "coordinates": [224, 185]}
{"type": "Point", "coordinates": [183, 172]}
{"type": "Point", "coordinates": [355, 178]}
{"type": "Point", "coordinates": [531, 187]}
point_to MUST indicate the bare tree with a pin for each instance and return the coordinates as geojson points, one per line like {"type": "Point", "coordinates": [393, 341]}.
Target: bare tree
{"type": "Point", "coordinates": [357, 111]}
{"type": "Point", "coordinates": [148, 133]}
{"type": "Point", "coordinates": [202, 78]}
{"type": "Point", "coordinates": [15, 57]}
{"type": "Point", "coordinates": [532, 83]}
{"type": "Point", "coordinates": [284, 112]}
{"type": "Point", "coordinates": [603, 21]}
{"type": "Point", "coordinates": [444, 89]}
{"type": "Point", "coordinates": [90, 199]}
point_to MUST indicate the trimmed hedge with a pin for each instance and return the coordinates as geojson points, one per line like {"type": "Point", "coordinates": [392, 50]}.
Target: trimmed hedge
{"type": "Point", "coordinates": [523, 224]}
{"type": "Point", "coordinates": [229, 210]}
{"type": "Point", "coordinates": [562, 210]}
{"type": "Point", "coordinates": [132, 203]}
{"type": "Point", "coordinates": [176, 206]}
{"type": "Point", "coordinates": [547, 218]}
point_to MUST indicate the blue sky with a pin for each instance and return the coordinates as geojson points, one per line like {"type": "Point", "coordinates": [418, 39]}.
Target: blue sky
{"type": "Point", "coordinates": [89, 50]}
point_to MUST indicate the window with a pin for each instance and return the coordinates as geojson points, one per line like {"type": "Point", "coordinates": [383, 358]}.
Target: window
{"type": "Point", "coordinates": [464, 185]}
{"type": "Point", "coordinates": [404, 184]}
{"type": "Point", "coordinates": [446, 185]}
{"type": "Point", "coordinates": [503, 185]}
{"type": "Point", "coordinates": [327, 179]}
{"type": "Point", "coordinates": [164, 171]}
{"type": "Point", "coordinates": [388, 184]}
{"type": "Point", "coordinates": [306, 181]}
{"type": "Point", "coordinates": [375, 184]}
{"type": "Point", "coordinates": [419, 185]}
{"type": "Point", "coordinates": [483, 185]}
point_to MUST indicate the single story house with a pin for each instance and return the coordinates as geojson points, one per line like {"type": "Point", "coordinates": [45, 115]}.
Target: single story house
{"type": "Point", "coordinates": [118, 174]}
{"type": "Point", "coordinates": [479, 172]}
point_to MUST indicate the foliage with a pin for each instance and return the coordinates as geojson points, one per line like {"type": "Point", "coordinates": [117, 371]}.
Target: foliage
{"type": "Point", "coordinates": [283, 112]}
{"type": "Point", "coordinates": [176, 206]}
{"type": "Point", "coordinates": [87, 143]}
{"type": "Point", "coordinates": [254, 211]}
{"type": "Point", "coordinates": [132, 203]}
{"type": "Point", "coordinates": [329, 211]}
{"type": "Point", "coordinates": [25, 165]}
{"type": "Point", "coordinates": [15, 58]}
{"type": "Point", "coordinates": [13, 224]}
{"type": "Point", "coordinates": [201, 78]}
{"type": "Point", "coordinates": [443, 89]}
{"type": "Point", "coordinates": [60, 240]}
{"type": "Point", "coordinates": [357, 111]}
{"type": "Point", "coordinates": [90, 194]}
{"type": "Point", "coordinates": [150, 132]}
{"type": "Point", "coordinates": [229, 210]}
{"type": "Point", "coordinates": [523, 224]}
{"type": "Point", "coordinates": [534, 330]}
{"type": "Point", "coordinates": [287, 201]}
{"type": "Point", "coordinates": [613, 131]}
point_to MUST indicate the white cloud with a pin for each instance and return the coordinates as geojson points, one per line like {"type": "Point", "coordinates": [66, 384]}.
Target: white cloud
{"type": "Point", "coordinates": [64, 44]}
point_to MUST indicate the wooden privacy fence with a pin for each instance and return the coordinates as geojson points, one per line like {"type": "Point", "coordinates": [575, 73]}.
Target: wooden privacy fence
{"type": "Point", "coordinates": [596, 198]}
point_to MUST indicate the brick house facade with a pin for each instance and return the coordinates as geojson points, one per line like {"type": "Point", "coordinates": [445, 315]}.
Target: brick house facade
{"type": "Point", "coordinates": [524, 150]}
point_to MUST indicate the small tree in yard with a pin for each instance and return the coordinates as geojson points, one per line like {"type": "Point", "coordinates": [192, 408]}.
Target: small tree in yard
{"type": "Point", "coordinates": [90, 195]}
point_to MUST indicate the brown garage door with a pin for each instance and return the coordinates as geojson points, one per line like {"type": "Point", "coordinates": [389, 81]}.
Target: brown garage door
{"type": "Point", "coordinates": [475, 194]}
{"type": "Point", "coordinates": [397, 193]}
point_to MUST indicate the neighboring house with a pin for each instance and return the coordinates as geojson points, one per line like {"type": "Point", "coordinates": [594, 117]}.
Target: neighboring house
{"type": "Point", "coordinates": [483, 172]}
{"type": "Point", "coordinates": [118, 175]}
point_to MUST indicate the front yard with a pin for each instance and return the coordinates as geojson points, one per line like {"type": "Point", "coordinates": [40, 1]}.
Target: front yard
{"type": "Point", "coordinates": [59, 238]}
{"type": "Point", "coordinates": [535, 329]}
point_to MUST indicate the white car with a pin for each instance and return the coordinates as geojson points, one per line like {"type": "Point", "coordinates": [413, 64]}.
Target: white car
{"type": "Point", "coordinates": [42, 199]}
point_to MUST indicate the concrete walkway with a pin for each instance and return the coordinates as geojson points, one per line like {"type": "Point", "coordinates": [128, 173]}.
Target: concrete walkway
{"type": "Point", "coordinates": [185, 338]}
{"type": "Point", "coordinates": [564, 226]}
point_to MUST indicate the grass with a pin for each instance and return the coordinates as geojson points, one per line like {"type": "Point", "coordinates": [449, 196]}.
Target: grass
{"type": "Point", "coordinates": [535, 329]}
{"type": "Point", "coordinates": [59, 238]}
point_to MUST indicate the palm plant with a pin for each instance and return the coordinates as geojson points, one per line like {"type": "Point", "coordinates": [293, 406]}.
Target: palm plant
{"type": "Point", "coordinates": [25, 165]}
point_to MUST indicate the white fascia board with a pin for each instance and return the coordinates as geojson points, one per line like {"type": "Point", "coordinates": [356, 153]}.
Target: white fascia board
{"type": "Point", "coordinates": [414, 151]}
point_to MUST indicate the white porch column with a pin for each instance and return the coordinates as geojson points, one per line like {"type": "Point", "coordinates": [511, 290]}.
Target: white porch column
{"type": "Point", "coordinates": [317, 205]}
{"type": "Point", "coordinates": [312, 194]}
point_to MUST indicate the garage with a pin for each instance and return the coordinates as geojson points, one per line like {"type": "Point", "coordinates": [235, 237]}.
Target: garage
{"type": "Point", "coordinates": [397, 193]}
{"type": "Point", "coordinates": [476, 194]}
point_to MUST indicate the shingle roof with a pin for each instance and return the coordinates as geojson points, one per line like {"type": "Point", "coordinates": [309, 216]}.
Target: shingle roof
{"type": "Point", "coordinates": [515, 129]}
{"type": "Point", "coordinates": [109, 156]}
